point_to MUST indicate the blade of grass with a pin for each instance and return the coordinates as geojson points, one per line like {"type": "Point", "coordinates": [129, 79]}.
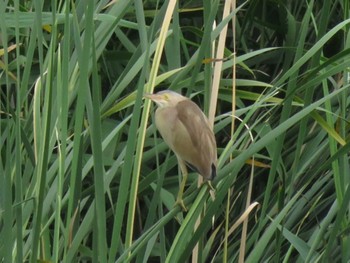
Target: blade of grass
{"type": "Point", "coordinates": [42, 160]}
{"type": "Point", "coordinates": [76, 164]}
{"type": "Point", "coordinates": [5, 146]}
{"type": "Point", "coordinates": [18, 148]}
{"type": "Point", "coordinates": [145, 114]}
{"type": "Point", "coordinates": [130, 150]}
{"type": "Point", "coordinates": [62, 109]}
{"type": "Point", "coordinates": [93, 110]}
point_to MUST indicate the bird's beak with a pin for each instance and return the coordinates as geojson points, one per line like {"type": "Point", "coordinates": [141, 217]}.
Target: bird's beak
{"type": "Point", "coordinates": [150, 96]}
{"type": "Point", "coordinates": [147, 95]}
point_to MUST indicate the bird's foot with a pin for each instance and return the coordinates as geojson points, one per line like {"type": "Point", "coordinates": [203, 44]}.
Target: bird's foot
{"type": "Point", "coordinates": [210, 186]}
{"type": "Point", "coordinates": [181, 203]}
{"type": "Point", "coordinates": [211, 190]}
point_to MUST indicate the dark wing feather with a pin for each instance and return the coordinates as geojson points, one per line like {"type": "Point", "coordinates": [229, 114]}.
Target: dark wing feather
{"type": "Point", "coordinates": [201, 135]}
{"type": "Point", "coordinates": [192, 118]}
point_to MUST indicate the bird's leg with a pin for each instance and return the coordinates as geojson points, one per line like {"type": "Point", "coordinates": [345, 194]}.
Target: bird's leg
{"type": "Point", "coordinates": [179, 200]}
{"type": "Point", "coordinates": [211, 190]}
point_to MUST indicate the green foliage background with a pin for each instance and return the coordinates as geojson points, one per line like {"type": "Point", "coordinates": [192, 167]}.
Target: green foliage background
{"type": "Point", "coordinates": [84, 176]}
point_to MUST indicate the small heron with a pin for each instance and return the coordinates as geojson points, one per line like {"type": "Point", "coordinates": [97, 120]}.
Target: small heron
{"type": "Point", "coordinates": [186, 130]}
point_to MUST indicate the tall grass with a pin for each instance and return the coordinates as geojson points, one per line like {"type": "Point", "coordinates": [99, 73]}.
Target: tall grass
{"type": "Point", "coordinates": [84, 175]}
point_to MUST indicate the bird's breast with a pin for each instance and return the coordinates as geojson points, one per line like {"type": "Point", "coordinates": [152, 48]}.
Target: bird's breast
{"type": "Point", "coordinates": [165, 123]}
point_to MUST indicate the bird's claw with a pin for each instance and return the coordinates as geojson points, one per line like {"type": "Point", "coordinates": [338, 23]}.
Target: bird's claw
{"type": "Point", "coordinates": [210, 186]}
{"type": "Point", "coordinates": [181, 203]}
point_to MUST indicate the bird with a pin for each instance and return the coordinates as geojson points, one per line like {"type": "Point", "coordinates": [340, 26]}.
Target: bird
{"type": "Point", "coordinates": [186, 130]}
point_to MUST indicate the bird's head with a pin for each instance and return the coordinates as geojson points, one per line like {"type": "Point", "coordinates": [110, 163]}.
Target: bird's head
{"type": "Point", "coordinates": [165, 98]}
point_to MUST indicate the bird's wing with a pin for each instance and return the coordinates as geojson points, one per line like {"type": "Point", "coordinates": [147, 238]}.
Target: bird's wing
{"type": "Point", "coordinates": [201, 141]}
{"type": "Point", "coordinates": [193, 119]}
